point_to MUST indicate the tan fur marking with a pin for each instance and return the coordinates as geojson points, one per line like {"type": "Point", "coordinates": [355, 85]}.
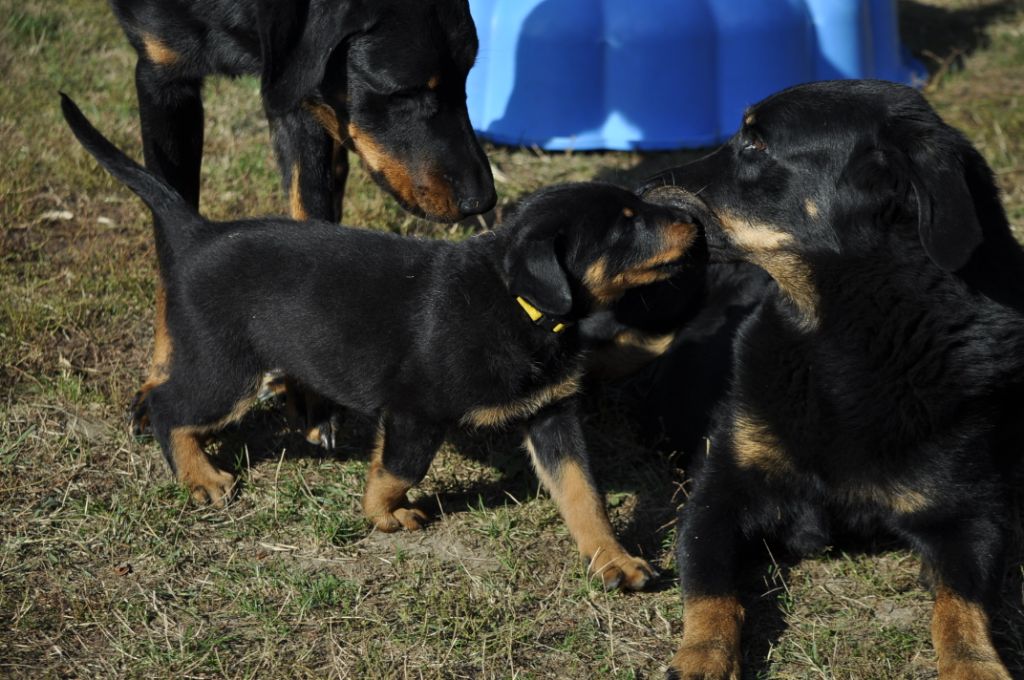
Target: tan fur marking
{"type": "Point", "coordinates": [584, 513]}
{"type": "Point", "coordinates": [523, 407]}
{"type": "Point", "coordinates": [328, 120]}
{"type": "Point", "coordinates": [295, 206]}
{"type": "Point", "coordinates": [628, 352]}
{"type": "Point", "coordinates": [606, 289]}
{"type": "Point", "coordinates": [628, 212]}
{"type": "Point", "coordinates": [385, 502]}
{"type": "Point", "coordinates": [758, 447]}
{"type": "Point", "coordinates": [434, 81]}
{"type": "Point", "coordinates": [159, 364]}
{"type": "Point", "coordinates": [157, 50]}
{"type": "Point", "coordinates": [963, 642]}
{"type": "Point", "coordinates": [811, 208]}
{"type": "Point", "coordinates": [711, 638]}
{"type": "Point", "coordinates": [195, 471]}
{"type": "Point", "coordinates": [769, 248]}
{"type": "Point", "coordinates": [896, 497]}
{"type": "Point", "coordinates": [428, 190]}
{"type": "Point", "coordinates": [749, 119]}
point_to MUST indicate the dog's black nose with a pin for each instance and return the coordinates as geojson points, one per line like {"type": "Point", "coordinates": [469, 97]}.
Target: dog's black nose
{"type": "Point", "coordinates": [472, 205]}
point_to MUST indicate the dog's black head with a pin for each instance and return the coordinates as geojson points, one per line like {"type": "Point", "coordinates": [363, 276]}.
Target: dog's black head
{"type": "Point", "coordinates": [388, 79]}
{"type": "Point", "coordinates": [576, 248]}
{"type": "Point", "coordinates": [848, 168]}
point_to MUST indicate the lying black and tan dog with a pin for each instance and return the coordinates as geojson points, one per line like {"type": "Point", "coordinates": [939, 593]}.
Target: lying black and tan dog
{"type": "Point", "coordinates": [429, 334]}
{"type": "Point", "coordinates": [882, 382]}
{"type": "Point", "coordinates": [385, 79]}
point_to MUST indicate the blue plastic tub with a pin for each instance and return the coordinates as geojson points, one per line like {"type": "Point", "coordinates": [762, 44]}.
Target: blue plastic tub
{"type": "Point", "coordinates": [661, 74]}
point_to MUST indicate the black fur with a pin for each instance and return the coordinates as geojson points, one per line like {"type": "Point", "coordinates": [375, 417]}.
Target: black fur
{"type": "Point", "coordinates": [369, 63]}
{"type": "Point", "coordinates": [422, 332]}
{"type": "Point", "coordinates": [885, 371]}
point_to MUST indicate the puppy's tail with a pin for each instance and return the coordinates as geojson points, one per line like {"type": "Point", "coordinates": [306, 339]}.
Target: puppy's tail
{"type": "Point", "coordinates": [176, 223]}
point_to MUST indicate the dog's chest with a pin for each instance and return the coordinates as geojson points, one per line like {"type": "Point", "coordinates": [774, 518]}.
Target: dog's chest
{"type": "Point", "coordinates": [525, 401]}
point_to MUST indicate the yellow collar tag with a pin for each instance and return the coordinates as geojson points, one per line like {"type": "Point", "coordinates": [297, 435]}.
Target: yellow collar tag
{"type": "Point", "coordinates": [537, 316]}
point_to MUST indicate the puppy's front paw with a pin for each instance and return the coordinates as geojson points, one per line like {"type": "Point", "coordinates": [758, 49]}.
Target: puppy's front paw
{"type": "Point", "coordinates": [704, 662]}
{"type": "Point", "coordinates": [621, 570]}
{"type": "Point", "coordinates": [410, 519]}
{"type": "Point", "coordinates": [208, 485]}
{"type": "Point", "coordinates": [973, 670]}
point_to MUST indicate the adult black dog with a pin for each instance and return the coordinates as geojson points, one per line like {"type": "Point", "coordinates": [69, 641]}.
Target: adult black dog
{"type": "Point", "coordinates": [429, 334]}
{"type": "Point", "coordinates": [881, 383]}
{"type": "Point", "coordinates": [385, 79]}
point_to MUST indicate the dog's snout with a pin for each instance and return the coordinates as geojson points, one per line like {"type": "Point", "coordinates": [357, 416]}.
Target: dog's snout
{"type": "Point", "coordinates": [471, 205]}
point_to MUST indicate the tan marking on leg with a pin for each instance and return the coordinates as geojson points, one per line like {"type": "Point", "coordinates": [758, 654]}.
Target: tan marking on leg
{"type": "Point", "coordinates": [711, 639]}
{"type": "Point", "coordinates": [811, 208]}
{"type": "Point", "coordinates": [772, 249]}
{"type": "Point", "coordinates": [385, 502]}
{"type": "Point", "coordinates": [327, 118]}
{"type": "Point", "coordinates": [295, 206]}
{"type": "Point", "coordinates": [434, 81]}
{"type": "Point", "coordinates": [583, 510]}
{"type": "Point", "coordinates": [426, 189]}
{"type": "Point", "coordinates": [963, 642]}
{"type": "Point", "coordinates": [205, 482]}
{"type": "Point", "coordinates": [160, 362]}
{"type": "Point", "coordinates": [157, 50]}
{"type": "Point", "coordinates": [757, 446]}
{"type": "Point", "coordinates": [523, 407]}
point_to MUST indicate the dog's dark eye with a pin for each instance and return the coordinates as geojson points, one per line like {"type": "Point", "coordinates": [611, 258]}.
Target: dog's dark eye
{"type": "Point", "coordinates": [755, 144]}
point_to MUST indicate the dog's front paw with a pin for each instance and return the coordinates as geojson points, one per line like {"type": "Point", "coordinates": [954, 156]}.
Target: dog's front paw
{"type": "Point", "coordinates": [965, 669]}
{"type": "Point", "coordinates": [208, 485]}
{"type": "Point", "coordinates": [410, 519]}
{"type": "Point", "coordinates": [704, 662]}
{"type": "Point", "coordinates": [621, 570]}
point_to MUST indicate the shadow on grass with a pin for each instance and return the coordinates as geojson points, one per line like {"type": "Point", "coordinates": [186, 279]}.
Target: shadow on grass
{"type": "Point", "coordinates": [943, 36]}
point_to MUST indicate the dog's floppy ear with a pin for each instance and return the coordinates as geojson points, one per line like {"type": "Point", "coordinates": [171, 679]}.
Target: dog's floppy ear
{"type": "Point", "coordinates": [297, 39]}
{"type": "Point", "coordinates": [935, 164]}
{"type": "Point", "coordinates": [535, 273]}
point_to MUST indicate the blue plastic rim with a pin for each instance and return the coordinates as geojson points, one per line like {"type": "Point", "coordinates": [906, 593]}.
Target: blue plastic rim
{"type": "Point", "coordinates": [663, 74]}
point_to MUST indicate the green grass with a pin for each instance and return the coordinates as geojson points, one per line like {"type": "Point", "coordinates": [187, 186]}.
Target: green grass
{"type": "Point", "coordinates": [107, 569]}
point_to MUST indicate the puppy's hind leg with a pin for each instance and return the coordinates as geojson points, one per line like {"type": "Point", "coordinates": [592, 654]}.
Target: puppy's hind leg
{"type": "Point", "coordinates": [406, 445]}
{"type": "Point", "coordinates": [181, 417]}
{"type": "Point", "coordinates": [555, 442]}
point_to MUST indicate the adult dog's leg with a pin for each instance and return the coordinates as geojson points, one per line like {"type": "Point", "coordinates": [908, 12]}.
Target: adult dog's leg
{"type": "Point", "coordinates": [405, 447]}
{"type": "Point", "coordinates": [171, 113]}
{"type": "Point", "coordinates": [964, 556]}
{"type": "Point", "coordinates": [314, 168]}
{"type": "Point", "coordinates": [707, 548]}
{"type": "Point", "coordinates": [555, 442]}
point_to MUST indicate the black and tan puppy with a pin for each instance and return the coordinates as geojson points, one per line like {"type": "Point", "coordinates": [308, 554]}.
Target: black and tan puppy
{"type": "Point", "coordinates": [882, 382]}
{"type": "Point", "coordinates": [384, 79]}
{"type": "Point", "coordinates": [428, 334]}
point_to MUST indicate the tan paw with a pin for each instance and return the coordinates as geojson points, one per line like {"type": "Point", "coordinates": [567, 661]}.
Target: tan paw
{"type": "Point", "coordinates": [704, 662]}
{"type": "Point", "coordinates": [410, 519]}
{"type": "Point", "coordinates": [211, 486]}
{"type": "Point", "coordinates": [973, 670]}
{"type": "Point", "coordinates": [622, 571]}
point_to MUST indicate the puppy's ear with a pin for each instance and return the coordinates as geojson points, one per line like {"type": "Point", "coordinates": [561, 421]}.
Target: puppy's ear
{"type": "Point", "coordinates": [947, 221]}
{"type": "Point", "coordinates": [936, 158]}
{"type": "Point", "coordinates": [534, 273]}
{"type": "Point", "coordinates": [297, 39]}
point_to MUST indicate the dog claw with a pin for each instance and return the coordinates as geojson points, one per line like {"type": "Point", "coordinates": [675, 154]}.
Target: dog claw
{"type": "Point", "coordinates": [625, 571]}
{"type": "Point", "coordinates": [410, 519]}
